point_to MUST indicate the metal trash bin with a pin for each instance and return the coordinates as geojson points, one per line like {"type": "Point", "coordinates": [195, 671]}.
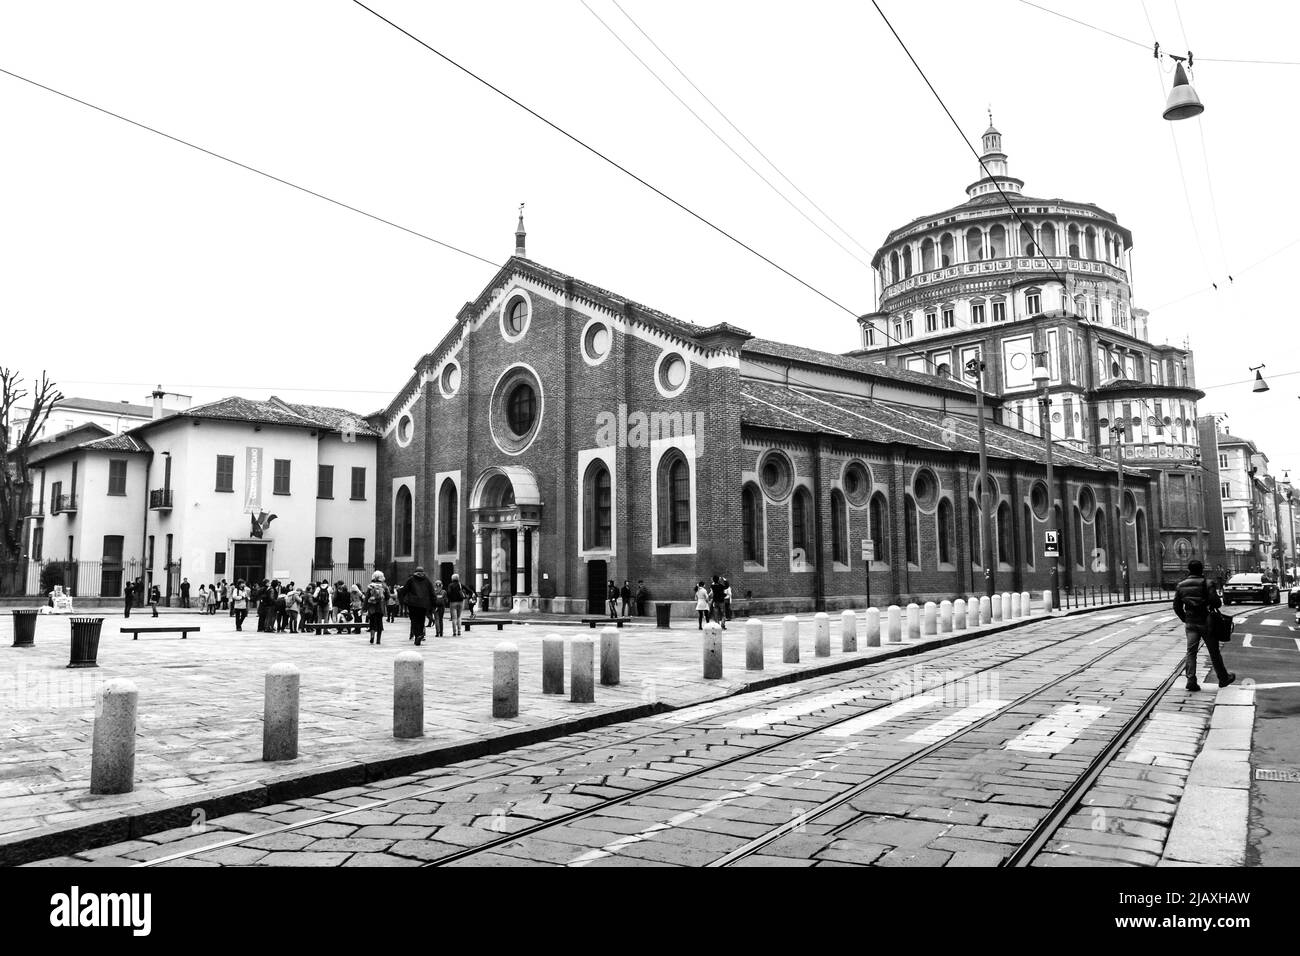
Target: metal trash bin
{"type": "Point", "coordinates": [85, 641]}
{"type": "Point", "coordinates": [25, 626]}
{"type": "Point", "coordinates": [663, 611]}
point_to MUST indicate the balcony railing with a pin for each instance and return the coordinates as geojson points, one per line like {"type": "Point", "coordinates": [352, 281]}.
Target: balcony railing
{"type": "Point", "coordinates": [160, 499]}
{"type": "Point", "coordinates": [65, 504]}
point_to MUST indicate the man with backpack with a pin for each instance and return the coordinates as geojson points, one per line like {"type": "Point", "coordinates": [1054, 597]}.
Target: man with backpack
{"type": "Point", "coordinates": [1194, 602]}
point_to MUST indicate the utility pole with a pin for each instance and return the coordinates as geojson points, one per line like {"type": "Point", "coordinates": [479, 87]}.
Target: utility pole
{"type": "Point", "coordinates": [975, 369]}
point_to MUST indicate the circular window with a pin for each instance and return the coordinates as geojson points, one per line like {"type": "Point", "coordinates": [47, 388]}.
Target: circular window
{"type": "Point", "coordinates": [857, 483]}
{"type": "Point", "coordinates": [449, 380]}
{"type": "Point", "coordinates": [1038, 500]}
{"type": "Point", "coordinates": [1087, 502]}
{"type": "Point", "coordinates": [596, 341]}
{"type": "Point", "coordinates": [776, 474]}
{"type": "Point", "coordinates": [516, 410]}
{"type": "Point", "coordinates": [925, 489]}
{"type": "Point", "coordinates": [516, 313]}
{"type": "Point", "coordinates": [405, 429]}
{"type": "Point", "coordinates": [671, 374]}
{"type": "Point", "coordinates": [993, 487]}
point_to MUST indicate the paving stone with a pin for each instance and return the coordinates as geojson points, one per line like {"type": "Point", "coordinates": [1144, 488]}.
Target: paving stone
{"type": "Point", "coordinates": [303, 859]}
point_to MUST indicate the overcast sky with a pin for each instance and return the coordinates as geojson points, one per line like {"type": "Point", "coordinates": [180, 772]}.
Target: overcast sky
{"type": "Point", "coordinates": [131, 259]}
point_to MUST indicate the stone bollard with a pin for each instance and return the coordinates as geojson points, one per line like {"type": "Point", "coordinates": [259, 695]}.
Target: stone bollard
{"type": "Point", "coordinates": [753, 645]}
{"type": "Point", "coordinates": [1026, 603]}
{"type": "Point", "coordinates": [894, 625]}
{"type": "Point", "coordinates": [552, 664]}
{"type": "Point", "coordinates": [848, 632]}
{"type": "Point", "coordinates": [945, 617]}
{"type": "Point", "coordinates": [821, 634]}
{"type": "Point", "coordinates": [280, 713]}
{"type": "Point", "coordinates": [1047, 601]}
{"type": "Point", "coordinates": [1007, 606]}
{"type": "Point", "coordinates": [873, 627]}
{"type": "Point", "coordinates": [1015, 606]}
{"type": "Point", "coordinates": [112, 753]}
{"type": "Point", "coordinates": [959, 614]}
{"type": "Point", "coordinates": [408, 695]}
{"type": "Point", "coordinates": [712, 651]}
{"type": "Point", "coordinates": [914, 622]}
{"type": "Point", "coordinates": [609, 657]}
{"type": "Point", "coordinates": [986, 610]}
{"type": "Point", "coordinates": [582, 687]}
{"type": "Point", "coordinates": [790, 639]}
{"type": "Point", "coordinates": [505, 680]}
{"type": "Point", "coordinates": [995, 608]}
{"type": "Point", "coordinates": [930, 619]}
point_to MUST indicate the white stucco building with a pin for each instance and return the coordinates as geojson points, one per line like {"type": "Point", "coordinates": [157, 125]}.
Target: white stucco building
{"type": "Point", "coordinates": [114, 417]}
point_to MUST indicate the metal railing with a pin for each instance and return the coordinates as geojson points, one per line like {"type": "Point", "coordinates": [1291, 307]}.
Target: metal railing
{"type": "Point", "coordinates": [1097, 595]}
{"type": "Point", "coordinates": [160, 499]}
{"type": "Point", "coordinates": [64, 503]}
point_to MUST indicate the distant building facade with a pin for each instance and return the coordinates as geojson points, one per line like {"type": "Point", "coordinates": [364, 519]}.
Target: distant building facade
{"type": "Point", "coordinates": [1246, 505]}
{"type": "Point", "coordinates": [115, 417]}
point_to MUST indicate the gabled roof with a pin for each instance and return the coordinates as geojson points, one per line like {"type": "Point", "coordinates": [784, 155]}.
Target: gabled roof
{"type": "Point", "coordinates": [858, 366]}
{"type": "Point", "coordinates": [125, 442]}
{"type": "Point", "coordinates": [74, 437]}
{"type": "Point", "coordinates": [273, 411]}
{"type": "Point", "coordinates": [106, 407]}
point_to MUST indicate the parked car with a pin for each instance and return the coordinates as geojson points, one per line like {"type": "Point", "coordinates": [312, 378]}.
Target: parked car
{"type": "Point", "coordinates": [1251, 587]}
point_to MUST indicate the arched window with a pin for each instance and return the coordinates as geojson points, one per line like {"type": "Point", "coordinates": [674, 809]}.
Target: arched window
{"type": "Point", "coordinates": [879, 517]}
{"type": "Point", "coordinates": [974, 245]}
{"type": "Point", "coordinates": [597, 517]}
{"type": "Point", "coordinates": [1027, 245]}
{"type": "Point", "coordinates": [1029, 536]}
{"type": "Point", "coordinates": [893, 267]}
{"type": "Point", "coordinates": [973, 532]}
{"type": "Point", "coordinates": [927, 255]}
{"type": "Point", "coordinates": [839, 528]}
{"type": "Point", "coordinates": [1090, 242]}
{"type": "Point", "coordinates": [751, 515]}
{"type": "Point", "coordinates": [801, 530]}
{"type": "Point", "coordinates": [910, 530]}
{"type": "Point", "coordinates": [1005, 542]}
{"type": "Point", "coordinates": [1074, 241]}
{"type": "Point", "coordinates": [947, 533]}
{"type": "Point", "coordinates": [907, 261]}
{"type": "Point", "coordinates": [448, 518]}
{"type": "Point", "coordinates": [946, 251]}
{"type": "Point", "coordinates": [1047, 238]}
{"type": "Point", "coordinates": [674, 494]}
{"type": "Point", "coordinates": [1101, 537]}
{"type": "Point", "coordinates": [1141, 537]}
{"type": "Point", "coordinates": [1078, 538]}
{"type": "Point", "coordinates": [403, 525]}
{"type": "Point", "coordinates": [997, 242]}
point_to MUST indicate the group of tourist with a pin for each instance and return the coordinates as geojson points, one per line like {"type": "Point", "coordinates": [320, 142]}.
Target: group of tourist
{"type": "Point", "coordinates": [429, 602]}
{"type": "Point", "coordinates": [713, 602]}
{"type": "Point", "coordinates": [633, 603]}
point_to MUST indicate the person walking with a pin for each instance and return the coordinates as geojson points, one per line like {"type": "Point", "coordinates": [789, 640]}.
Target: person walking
{"type": "Point", "coordinates": [455, 603]}
{"type": "Point", "coordinates": [216, 598]}
{"type": "Point", "coordinates": [719, 598]}
{"type": "Point", "coordinates": [390, 605]}
{"type": "Point", "coordinates": [625, 595]}
{"type": "Point", "coordinates": [239, 597]}
{"type": "Point", "coordinates": [611, 599]}
{"type": "Point", "coordinates": [376, 601]}
{"type": "Point", "coordinates": [1194, 599]}
{"type": "Point", "coordinates": [485, 595]}
{"type": "Point", "coordinates": [642, 598]}
{"type": "Point", "coordinates": [128, 595]}
{"type": "Point", "coordinates": [726, 599]}
{"type": "Point", "coordinates": [154, 597]}
{"type": "Point", "coordinates": [202, 599]}
{"type": "Point", "coordinates": [419, 598]}
{"type": "Point", "coordinates": [439, 607]}
{"type": "Point", "coordinates": [701, 604]}
{"type": "Point", "coordinates": [225, 595]}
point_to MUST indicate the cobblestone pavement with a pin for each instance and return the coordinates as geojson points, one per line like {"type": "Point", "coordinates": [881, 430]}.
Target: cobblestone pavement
{"type": "Point", "coordinates": [200, 710]}
{"type": "Point", "coordinates": [694, 786]}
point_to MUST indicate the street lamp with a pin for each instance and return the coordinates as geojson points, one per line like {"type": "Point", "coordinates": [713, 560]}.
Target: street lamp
{"type": "Point", "coordinates": [1041, 378]}
{"type": "Point", "coordinates": [1117, 428]}
{"type": "Point", "coordinates": [975, 370]}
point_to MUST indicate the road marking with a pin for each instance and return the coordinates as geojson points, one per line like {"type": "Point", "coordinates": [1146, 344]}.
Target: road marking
{"type": "Point", "coordinates": [1272, 622]}
{"type": "Point", "coordinates": [1057, 730]}
{"type": "Point", "coordinates": [777, 715]}
{"type": "Point", "coordinates": [1163, 620]}
{"type": "Point", "coordinates": [1104, 617]}
{"type": "Point", "coordinates": [954, 722]}
{"type": "Point", "coordinates": [1273, 686]}
{"type": "Point", "coordinates": [882, 714]}
{"type": "Point", "coordinates": [700, 711]}
{"type": "Point", "coordinates": [1245, 642]}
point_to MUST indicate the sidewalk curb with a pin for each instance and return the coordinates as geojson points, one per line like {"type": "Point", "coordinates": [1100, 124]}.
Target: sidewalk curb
{"type": "Point", "coordinates": [109, 828]}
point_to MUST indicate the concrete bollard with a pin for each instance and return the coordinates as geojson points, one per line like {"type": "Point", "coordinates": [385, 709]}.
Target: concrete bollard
{"type": "Point", "coordinates": [552, 664]}
{"type": "Point", "coordinates": [712, 651]}
{"type": "Point", "coordinates": [848, 632]}
{"type": "Point", "coordinates": [945, 617]}
{"type": "Point", "coordinates": [790, 639]}
{"type": "Point", "coordinates": [894, 624]}
{"type": "Point", "coordinates": [986, 610]}
{"type": "Point", "coordinates": [1026, 603]}
{"type": "Point", "coordinates": [1006, 606]}
{"type": "Point", "coordinates": [1047, 601]}
{"type": "Point", "coordinates": [408, 695]}
{"type": "Point", "coordinates": [1015, 606]}
{"type": "Point", "coordinates": [582, 687]}
{"type": "Point", "coordinates": [995, 608]}
{"type": "Point", "coordinates": [930, 619]}
{"type": "Point", "coordinates": [280, 713]}
{"type": "Point", "coordinates": [959, 614]}
{"type": "Point", "coordinates": [873, 627]}
{"type": "Point", "coordinates": [753, 645]}
{"type": "Point", "coordinates": [821, 634]}
{"type": "Point", "coordinates": [914, 622]}
{"type": "Point", "coordinates": [112, 753]}
{"type": "Point", "coordinates": [505, 680]}
{"type": "Point", "coordinates": [609, 657]}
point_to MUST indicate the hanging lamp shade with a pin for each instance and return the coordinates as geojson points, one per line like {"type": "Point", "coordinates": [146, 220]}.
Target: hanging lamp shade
{"type": "Point", "coordinates": [1260, 385]}
{"type": "Point", "coordinates": [1183, 101]}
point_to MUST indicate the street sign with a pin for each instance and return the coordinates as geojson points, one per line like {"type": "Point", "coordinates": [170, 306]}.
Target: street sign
{"type": "Point", "coordinates": [1052, 547]}
{"type": "Point", "coordinates": [868, 550]}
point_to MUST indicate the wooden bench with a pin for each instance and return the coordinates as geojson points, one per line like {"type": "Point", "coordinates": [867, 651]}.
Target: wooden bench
{"type": "Point", "coordinates": [184, 629]}
{"type": "Point", "coordinates": [338, 627]}
{"type": "Point", "coordinates": [468, 622]}
{"type": "Point", "coordinates": [591, 622]}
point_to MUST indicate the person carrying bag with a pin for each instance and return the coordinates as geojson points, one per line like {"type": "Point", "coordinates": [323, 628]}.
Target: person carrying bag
{"type": "Point", "coordinates": [1197, 606]}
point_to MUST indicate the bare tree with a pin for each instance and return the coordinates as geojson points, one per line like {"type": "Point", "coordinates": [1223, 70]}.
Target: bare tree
{"type": "Point", "coordinates": [15, 444]}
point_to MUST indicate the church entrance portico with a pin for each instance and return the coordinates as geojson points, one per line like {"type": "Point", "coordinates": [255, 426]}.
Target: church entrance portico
{"type": "Point", "coordinates": [506, 515]}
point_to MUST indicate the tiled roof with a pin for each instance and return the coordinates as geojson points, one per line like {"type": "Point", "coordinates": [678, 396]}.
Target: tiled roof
{"type": "Point", "coordinates": [106, 407]}
{"type": "Point", "coordinates": [124, 442]}
{"type": "Point", "coordinates": [273, 411]}
{"type": "Point", "coordinates": [51, 448]}
{"type": "Point", "coordinates": [335, 419]}
{"type": "Point", "coordinates": [848, 363]}
{"type": "Point", "coordinates": [779, 406]}
{"type": "Point", "coordinates": [69, 438]}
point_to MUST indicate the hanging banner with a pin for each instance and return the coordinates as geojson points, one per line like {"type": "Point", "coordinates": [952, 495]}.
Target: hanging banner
{"type": "Point", "coordinates": [253, 481]}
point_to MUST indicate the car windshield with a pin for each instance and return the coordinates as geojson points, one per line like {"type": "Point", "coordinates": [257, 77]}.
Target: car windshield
{"type": "Point", "coordinates": [1246, 579]}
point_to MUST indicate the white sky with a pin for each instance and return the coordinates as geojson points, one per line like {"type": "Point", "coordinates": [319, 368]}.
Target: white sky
{"type": "Point", "coordinates": [130, 259]}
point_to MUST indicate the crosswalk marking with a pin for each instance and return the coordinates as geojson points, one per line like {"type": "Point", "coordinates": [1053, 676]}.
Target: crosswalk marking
{"type": "Point", "coordinates": [1057, 730]}
{"type": "Point", "coordinates": [877, 717]}
{"type": "Point", "coordinates": [1271, 622]}
{"type": "Point", "coordinates": [949, 725]}
{"type": "Point", "coordinates": [776, 715]}
{"type": "Point", "coordinates": [1245, 642]}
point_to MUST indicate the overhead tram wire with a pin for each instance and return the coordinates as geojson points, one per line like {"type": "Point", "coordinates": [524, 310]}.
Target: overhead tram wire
{"type": "Point", "coordinates": [251, 169]}
{"type": "Point", "coordinates": [716, 135]}
{"type": "Point", "coordinates": [624, 170]}
{"type": "Point", "coordinates": [741, 133]}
